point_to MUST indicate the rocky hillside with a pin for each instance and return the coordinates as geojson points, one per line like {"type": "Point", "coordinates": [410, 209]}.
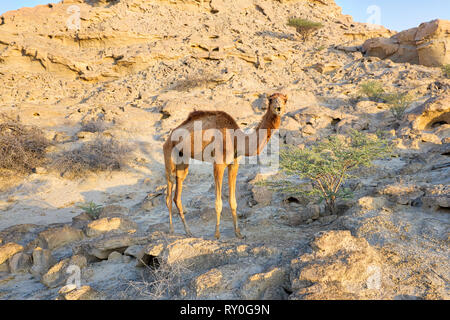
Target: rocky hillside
{"type": "Point", "coordinates": [107, 94]}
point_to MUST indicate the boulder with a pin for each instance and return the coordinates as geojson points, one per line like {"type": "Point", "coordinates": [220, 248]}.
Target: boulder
{"type": "Point", "coordinates": [372, 203]}
{"type": "Point", "coordinates": [208, 282]}
{"type": "Point", "coordinates": [433, 43]}
{"type": "Point", "coordinates": [340, 267]}
{"type": "Point", "coordinates": [262, 195]}
{"type": "Point", "coordinates": [299, 217]}
{"type": "Point", "coordinates": [20, 262]}
{"type": "Point", "coordinates": [110, 225]}
{"type": "Point", "coordinates": [71, 292]}
{"type": "Point", "coordinates": [58, 274]}
{"type": "Point", "coordinates": [404, 194]}
{"type": "Point", "coordinates": [8, 250]}
{"type": "Point", "coordinates": [42, 261]}
{"type": "Point", "coordinates": [437, 197]}
{"type": "Point", "coordinates": [57, 237]}
{"type": "Point", "coordinates": [21, 234]}
{"type": "Point", "coordinates": [256, 285]}
{"type": "Point", "coordinates": [429, 115]}
{"type": "Point", "coordinates": [427, 45]}
{"type": "Point", "coordinates": [115, 256]}
{"type": "Point", "coordinates": [100, 248]}
{"type": "Point", "coordinates": [194, 253]}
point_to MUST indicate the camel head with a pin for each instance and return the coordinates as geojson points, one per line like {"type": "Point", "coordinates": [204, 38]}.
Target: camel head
{"type": "Point", "coordinates": [277, 103]}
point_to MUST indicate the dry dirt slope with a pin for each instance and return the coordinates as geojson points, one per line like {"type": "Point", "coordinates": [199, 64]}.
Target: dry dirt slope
{"type": "Point", "coordinates": [138, 68]}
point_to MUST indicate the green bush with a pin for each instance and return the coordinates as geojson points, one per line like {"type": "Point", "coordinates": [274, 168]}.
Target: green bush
{"type": "Point", "coordinates": [304, 27]}
{"type": "Point", "coordinates": [372, 90]}
{"type": "Point", "coordinates": [92, 209]}
{"type": "Point", "coordinates": [398, 103]}
{"type": "Point", "coordinates": [327, 165]}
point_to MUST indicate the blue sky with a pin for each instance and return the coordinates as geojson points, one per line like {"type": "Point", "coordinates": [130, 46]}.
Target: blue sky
{"type": "Point", "coordinates": [393, 14]}
{"type": "Point", "coordinates": [398, 14]}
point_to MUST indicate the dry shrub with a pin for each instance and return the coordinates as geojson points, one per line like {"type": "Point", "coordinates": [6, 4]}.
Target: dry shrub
{"type": "Point", "coordinates": [193, 82]}
{"type": "Point", "coordinates": [22, 148]}
{"type": "Point", "coordinates": [100, 154]}
{"type": "Point", "coordinates": [94, 126]}
{"type": "Point", "coordinates": [161, 282]}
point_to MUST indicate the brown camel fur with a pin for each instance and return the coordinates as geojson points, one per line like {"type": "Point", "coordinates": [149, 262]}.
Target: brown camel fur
{"type": "Point", "coordinates": [176, 171]}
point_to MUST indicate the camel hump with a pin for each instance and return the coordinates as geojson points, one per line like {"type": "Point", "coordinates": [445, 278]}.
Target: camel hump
{"type": "Point", "coordinates": [221, 117]}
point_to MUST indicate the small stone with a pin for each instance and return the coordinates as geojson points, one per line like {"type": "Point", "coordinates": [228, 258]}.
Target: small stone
{"type": "Point", "coordinates": [20, 262]}
{"type": "Point", "coordinates": [59, 273]}
{"type": "Point", "coordinates": [115, 256]}
{"type": "Point", "coordinates": [42, 261]}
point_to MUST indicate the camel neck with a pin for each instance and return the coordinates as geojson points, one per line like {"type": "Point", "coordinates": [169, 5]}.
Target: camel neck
{"type": "Point", "coordinates": [270, 121]}
{"type": "Point", "coordinates": [262, 134]}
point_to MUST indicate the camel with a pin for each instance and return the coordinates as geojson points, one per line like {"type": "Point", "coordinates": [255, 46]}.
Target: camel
{"type": "Point", "coordinates": [226, 154]}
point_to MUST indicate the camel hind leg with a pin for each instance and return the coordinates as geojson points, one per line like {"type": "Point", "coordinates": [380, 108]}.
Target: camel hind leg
{"type": "Point", "coordinates": [232, 174]}
{"type": "Point", "coordinates": [169, 201]}
{"type": "Point", "coordinates": [181, 173]}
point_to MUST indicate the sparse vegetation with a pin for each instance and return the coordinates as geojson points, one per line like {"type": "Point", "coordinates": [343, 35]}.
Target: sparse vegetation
{"type": "Point", "coordinates": [92, 209]}
{"type": "Point", "coordinates": [321, 48]}
{"type": "Point", "coordinates": [22, 148]}
{"type": "Point", "coordinates": [162, 280]}
{"type": "Point", "coordinates": [327, 165]}
{"type": "Point", "coordinates": [194, 82]}
{"type": "Point", "coordinates": [94, 126]}
{"type": "Point", "coordinates": [101, 154]}
{"type": "Point", "coordinates": [398, 103]}
{"type": "Point", "coordinates": [373, 90]}
{"type": "Point", "coordinates": [446, 70]}
{"type": "Point", "coordinates": [304, 27]}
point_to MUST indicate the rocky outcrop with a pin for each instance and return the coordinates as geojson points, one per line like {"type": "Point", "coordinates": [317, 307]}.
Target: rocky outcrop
{"type": "Point", "coordinates": [57, 237]}
{"type": "Point", "coordinates": [432, 114]}
{"type": "Point", "coordinates": [428, 45]}
{"type": "Point", "coordinates": [340, 267]}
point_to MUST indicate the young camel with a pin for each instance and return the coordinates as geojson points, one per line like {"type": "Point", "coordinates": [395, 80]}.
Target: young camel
{"type": "Point", "coordinates": [226, 144]}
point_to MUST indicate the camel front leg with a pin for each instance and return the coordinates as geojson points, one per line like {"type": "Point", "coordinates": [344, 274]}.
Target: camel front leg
{"type": "Point", "coordinates": [232, 175]}
{"type": "Point", "coordinates": [219, 169]}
